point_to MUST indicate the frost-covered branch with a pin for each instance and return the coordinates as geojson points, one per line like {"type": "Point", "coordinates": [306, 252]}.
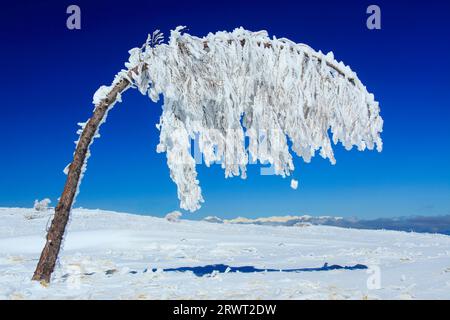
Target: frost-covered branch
{"type": "Point", "coordinates": [229, 87]}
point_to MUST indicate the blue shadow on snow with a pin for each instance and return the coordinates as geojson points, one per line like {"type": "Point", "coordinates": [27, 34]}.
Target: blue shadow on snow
{"type": "Point", "coordinates": [223, 268]}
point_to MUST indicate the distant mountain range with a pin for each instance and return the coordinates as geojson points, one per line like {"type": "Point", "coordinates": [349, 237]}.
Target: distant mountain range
{"type": "Point", "coordinates": [435, 224]}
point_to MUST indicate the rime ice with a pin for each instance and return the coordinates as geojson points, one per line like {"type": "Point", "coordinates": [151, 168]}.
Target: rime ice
{"type": "Point", "coordinates": [294, 184]}
{"type": "Point", "coordinates": [231, 86]}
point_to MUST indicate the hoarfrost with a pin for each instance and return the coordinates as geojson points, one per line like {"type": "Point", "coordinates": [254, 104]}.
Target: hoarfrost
{"type": "Point", "coordinates": [231, 86]}
{"type": "Point", "coordinates": [294, 184]}
{"type": "Point", "coordinates": [42, 205]}
{"type": "Point", "coordinates": [173, 216]}
{"type": "Point", "coordinates": [100, 94]}
{"type": "Point", "coordinates": [245, 95]}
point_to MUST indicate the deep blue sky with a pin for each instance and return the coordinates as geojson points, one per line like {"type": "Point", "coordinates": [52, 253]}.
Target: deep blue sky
{"type": "Point", "coordinates": [49, 74]}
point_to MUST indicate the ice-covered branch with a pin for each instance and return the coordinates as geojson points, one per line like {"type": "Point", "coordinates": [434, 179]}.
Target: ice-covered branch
{"type": "Point", "coordinates": [230, 86]}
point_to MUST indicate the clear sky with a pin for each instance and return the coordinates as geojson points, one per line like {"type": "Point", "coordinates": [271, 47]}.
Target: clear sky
{"type": "Point", "coordinates": [49, 74]}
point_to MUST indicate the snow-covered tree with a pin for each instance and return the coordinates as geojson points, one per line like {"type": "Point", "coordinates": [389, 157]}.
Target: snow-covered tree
{"type": "Point", "coordinates": [41, 205]}
{"type": "Point", "coordinates": [173, 216]}
{"type": "Point", "coordinates": [226, 88]}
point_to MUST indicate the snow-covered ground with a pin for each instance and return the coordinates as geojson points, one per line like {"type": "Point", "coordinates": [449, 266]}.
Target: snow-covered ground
{"type": "Point", "coordinates": [105, 254]}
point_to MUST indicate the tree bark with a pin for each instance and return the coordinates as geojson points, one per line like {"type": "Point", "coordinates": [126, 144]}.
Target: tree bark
{"type": "Point", "coordinates": [55, 234]}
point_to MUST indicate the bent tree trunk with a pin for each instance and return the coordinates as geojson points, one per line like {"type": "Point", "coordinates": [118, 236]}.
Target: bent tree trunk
{"type": "Point", "coordinates": [55, 234]}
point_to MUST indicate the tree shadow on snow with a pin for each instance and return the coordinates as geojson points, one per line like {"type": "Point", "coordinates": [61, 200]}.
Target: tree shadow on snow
{"type": "Point", "coordinates": [223, 268]}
